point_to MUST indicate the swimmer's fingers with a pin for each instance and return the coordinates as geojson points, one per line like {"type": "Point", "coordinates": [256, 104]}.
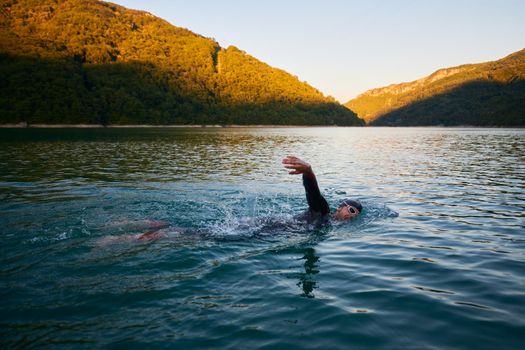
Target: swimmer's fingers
{"type": "Point", "coordinates": [297, 169]}
{"type": "Point", "coordinates": [293, 163]}
{"type": "Point", "coordinates": [291, 159]}
{"type": "Point", "coordinates": [288, 160]}
{"type": "Point", "coordinates": [297, 165]}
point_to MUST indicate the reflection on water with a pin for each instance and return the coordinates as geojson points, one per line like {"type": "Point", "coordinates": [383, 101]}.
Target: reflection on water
{"type": "Point", "coordinates": [307, 280]}
{"type": "Point", "coordinates": [438, 249]}
{"type": "Point", "coordinates": [114, 155]}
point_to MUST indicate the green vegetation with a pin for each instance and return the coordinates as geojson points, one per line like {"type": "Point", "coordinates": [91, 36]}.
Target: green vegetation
{"type": "Point", "coordinates": [485, 94]}
{"type": "Point", "coordinates": [92, 62]}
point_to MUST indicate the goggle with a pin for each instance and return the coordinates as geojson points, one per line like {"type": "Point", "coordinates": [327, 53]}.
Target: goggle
{"type": "Point", "coordinates": [352, 210]}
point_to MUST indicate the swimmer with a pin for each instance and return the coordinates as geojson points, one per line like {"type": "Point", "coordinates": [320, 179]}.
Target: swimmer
{"type": "Point", "coordinates": [318, 213]}
{"type": "Point", "coordinates": [318, 208]}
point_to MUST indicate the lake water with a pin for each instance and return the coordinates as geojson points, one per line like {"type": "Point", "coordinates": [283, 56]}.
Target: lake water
{"type": "Point", "coordinates": [435, 261]}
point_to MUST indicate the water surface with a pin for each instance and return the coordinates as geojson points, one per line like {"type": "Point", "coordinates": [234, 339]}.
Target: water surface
{"type": "Point", "coordinates": [447, 272]}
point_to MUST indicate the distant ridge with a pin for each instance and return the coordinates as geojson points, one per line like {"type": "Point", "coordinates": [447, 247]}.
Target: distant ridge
{"type": "Point", "coordinates": [484, 94]}
{"type": "Point", "coordinates": [94, 62]}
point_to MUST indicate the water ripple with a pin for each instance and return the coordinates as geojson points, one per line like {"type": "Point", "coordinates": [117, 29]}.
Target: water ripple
{"type": "Point", "coordinates": [439, 248]}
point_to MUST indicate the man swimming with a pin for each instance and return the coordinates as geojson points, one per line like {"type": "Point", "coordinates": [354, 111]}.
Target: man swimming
{"type": "Point", "coordinates": [318, 212]}
{"type": "Point", "coordinates": [318, 208]}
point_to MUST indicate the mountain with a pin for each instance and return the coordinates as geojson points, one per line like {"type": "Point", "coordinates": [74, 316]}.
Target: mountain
{"type": "Point", "coordinates": [94, 62]}
{"type": "Point", "coordinates": [484, 94]}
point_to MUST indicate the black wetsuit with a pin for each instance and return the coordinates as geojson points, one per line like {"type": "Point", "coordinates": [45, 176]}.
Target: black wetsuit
{"type": "Point", "coordinates": [318, 208]}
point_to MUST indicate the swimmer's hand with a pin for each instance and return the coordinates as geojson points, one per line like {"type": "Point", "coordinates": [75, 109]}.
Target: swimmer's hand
{"type": "Point", "coordinates": [297, 165]}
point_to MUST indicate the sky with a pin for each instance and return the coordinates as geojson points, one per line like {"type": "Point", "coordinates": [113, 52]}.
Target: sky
{"type": "Point", "coordinates": [344, 48]}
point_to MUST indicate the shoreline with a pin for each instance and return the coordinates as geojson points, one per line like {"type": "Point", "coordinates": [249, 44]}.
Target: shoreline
{"type": "Point", "coordinates": [100, 126]}
{"type": "Point", "coordinates": [204, 126]}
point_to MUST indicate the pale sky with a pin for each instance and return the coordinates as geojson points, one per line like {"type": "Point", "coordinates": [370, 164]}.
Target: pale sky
{"type": "Point", "coordinates": [344, 48]}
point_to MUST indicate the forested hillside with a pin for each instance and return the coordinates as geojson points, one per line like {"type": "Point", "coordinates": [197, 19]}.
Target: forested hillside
{"type": "Point", "coordinates": [88, 61]}
{"type": "Point", "coordinates": [485, 94]}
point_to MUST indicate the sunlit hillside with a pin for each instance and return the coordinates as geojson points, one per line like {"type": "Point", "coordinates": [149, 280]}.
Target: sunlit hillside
{"type": "Point", "coordinates": [87, 61]}
{"type": "Point", "coordinates": [491, 93]}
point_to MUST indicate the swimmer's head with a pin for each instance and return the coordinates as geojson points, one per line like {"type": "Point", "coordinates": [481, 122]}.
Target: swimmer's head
{"type": "Point", "coordinates": [348, 209]}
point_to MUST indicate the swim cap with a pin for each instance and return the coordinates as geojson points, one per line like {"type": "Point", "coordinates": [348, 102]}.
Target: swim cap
{"type": "Point", "coordinates": [353, 203]}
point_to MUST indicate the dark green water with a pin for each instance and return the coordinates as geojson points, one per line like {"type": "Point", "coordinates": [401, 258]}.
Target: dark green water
{"type": "Point", "coordinates": [447, 273]}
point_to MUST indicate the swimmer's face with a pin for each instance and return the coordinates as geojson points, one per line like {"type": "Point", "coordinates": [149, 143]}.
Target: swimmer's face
{"type": "Point", "coordinates": [346, 212]}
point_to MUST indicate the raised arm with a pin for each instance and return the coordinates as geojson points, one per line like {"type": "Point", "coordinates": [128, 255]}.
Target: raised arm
{"type": "Point", "coordinates": [315, 199]}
